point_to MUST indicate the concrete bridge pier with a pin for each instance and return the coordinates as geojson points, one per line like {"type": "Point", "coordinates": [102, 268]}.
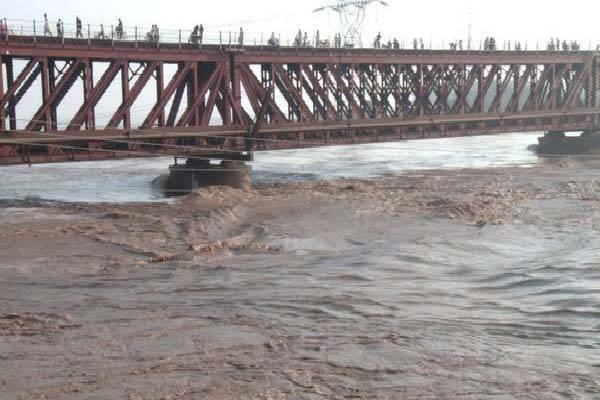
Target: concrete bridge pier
{"type": "Point", "coordinates": [558, 143]}
{"type": "Point", "coordinates": [195, 174]}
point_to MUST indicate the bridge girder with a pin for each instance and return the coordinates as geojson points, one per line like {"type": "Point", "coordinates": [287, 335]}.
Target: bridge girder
{"type": "Point", "coordinates": [212, 97]}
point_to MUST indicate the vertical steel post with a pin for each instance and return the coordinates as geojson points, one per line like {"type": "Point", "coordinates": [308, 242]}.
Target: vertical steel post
{"type": "Point", "coordinates": [88, 83]}
{"type": "Point", "coordinates": [236, 86]}
{"type": "Point", "coordinates": [125, 94]}
{"type": "Point", "coordinates": [10, 81]}
{"type": "Point", "coordinates": [160, 84]}
{"type": "Point", "coordinates": [225, 88]}
{"type": "Point", "coordinates": [192, 93]}
{"type": "Point", "coordinates": [52, 85]}
{"type": "Point", "coordinates": [595, 82]}
{"type": "Point", "coordinates": [46, 92]}
{"type": "Point", "coordinates": [34, 33]}
{"type": "Point", "coordinates": [2, 109]}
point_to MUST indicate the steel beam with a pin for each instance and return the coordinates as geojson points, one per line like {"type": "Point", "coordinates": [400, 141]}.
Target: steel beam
{"type": "Point", "coordinates": [125, 116]}
{"type": "Point", "coordinates": [160, 84]}
{"type": "Point", "coordinates": [86, 111]}
{"type": "Point", "coordinates": [2, 109]}
{"type": "Point", "coordinates": [211, 84]}
{"type": "Point", "coordinates": [157, 112]}
{"type": "Point", "coordinates": [123, 113]}
{"type": "Point", "coordinates": [53, 97]}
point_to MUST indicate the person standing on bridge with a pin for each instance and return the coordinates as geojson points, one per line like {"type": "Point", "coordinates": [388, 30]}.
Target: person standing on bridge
{"type": "Point", "coordinates": [119, 29]}
{"type": "Point", "coordinates": [200, 33]}
{"type": "Point", "coordinates": [101, 34]}
{"type": "Point", "coordinates": [273, 40]}
{"type": "Point", "coordinates": [47, 31]}
{"type": "Point", "coordinates": [377, 42]}
{"type": "Point", "coordinates": [318, 39]}
{"type": "Point", "coordinates": [59, 29]}
{"type": "Point", "coordinates": [3, 29]}
{"type": "Point", "coordinates": [194, 36]}
{"type": "Point", "coordinates": [78, 27]}
{"type": "Point", "coordinates": [241, 38]}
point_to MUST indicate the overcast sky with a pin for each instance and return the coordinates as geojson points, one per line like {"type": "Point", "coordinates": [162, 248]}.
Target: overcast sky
{"type": "Point", "coordinates": [439, 20]}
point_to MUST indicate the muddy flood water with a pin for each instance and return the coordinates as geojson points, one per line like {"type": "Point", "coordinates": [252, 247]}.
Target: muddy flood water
{"type": "Point", "coordinates": [449, 275]}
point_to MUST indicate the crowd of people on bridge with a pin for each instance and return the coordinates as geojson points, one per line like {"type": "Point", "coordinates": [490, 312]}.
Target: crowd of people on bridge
{"type": "Point", "coordinates": [564, 46]}
{"type": "Point", "coordinates": [489, 44]}
{"type": "Point", "coordinates": [391, 44]}
{"type": "Point", "coordinates": [3, 29]}
{"type": "Point", "coordinates": [197, 35]}
{"type": "Point", "coordinates": [153, 35]}
{"type": "Point", "coordinates": [301, 39]}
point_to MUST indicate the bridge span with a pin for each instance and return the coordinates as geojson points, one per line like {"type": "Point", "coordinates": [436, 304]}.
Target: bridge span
{"type": "Point", "coordinates": [226, 101]}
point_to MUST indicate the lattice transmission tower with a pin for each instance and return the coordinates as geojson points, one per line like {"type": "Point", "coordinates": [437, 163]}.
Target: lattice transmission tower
{"type": "Point", "coordinates": [352, 17]}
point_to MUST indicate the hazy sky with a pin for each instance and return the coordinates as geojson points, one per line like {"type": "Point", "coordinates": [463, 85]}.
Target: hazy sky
{"type": "Point", "coordinates": [439, 20]}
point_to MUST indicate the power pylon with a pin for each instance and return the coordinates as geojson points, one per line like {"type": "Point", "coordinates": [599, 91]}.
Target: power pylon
{"type": "Point", "coordinates": [352, 17]}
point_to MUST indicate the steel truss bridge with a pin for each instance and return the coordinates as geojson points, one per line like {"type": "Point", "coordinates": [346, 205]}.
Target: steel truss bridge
{"type": "Point", "coordinates": [225, 102]}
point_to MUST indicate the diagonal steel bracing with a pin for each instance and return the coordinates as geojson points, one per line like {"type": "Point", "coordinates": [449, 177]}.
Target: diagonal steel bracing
{"type": "Point", "coordinates": [43, 117]}
{"type": "Point", "coordinates": [321, 94]}
{"type": "Point", "coordinates": [123, 112]}
{"type": "Point", "coordinates": [166, 94]}
{"type": "Point", "coordinates": [94, 96]}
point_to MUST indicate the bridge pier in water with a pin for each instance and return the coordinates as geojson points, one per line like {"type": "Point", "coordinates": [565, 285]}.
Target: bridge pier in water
{"type": "Point", "coordinates": [198, 173]}
{"type": "Point", "coordinates": [558, 143]}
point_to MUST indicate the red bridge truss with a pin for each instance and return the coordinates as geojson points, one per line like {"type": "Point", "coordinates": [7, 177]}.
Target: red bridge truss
{"type": "Point", "coordinates": [225, 102]}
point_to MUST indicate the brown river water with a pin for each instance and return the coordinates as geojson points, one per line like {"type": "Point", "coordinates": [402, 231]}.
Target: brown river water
{"type": "Point", "coordinates": [440, 284]}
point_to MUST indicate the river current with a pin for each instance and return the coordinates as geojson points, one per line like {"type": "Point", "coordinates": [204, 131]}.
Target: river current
{"type": "Point", "coordinates": [354, 303]}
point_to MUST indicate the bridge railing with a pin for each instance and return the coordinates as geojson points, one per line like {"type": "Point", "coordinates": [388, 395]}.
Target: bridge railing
{"type": "Point", "coordinates": [36, 29]}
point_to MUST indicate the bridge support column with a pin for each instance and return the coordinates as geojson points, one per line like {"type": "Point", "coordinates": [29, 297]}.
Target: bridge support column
{"type": "Point", "coordinates": [10, 108]}
{"type": "Point", "coordinates": [194, 174]}
{"type": "Point", "coordinates": [558, 143]}
{"type": "Point", "coordinates": [2, 112]}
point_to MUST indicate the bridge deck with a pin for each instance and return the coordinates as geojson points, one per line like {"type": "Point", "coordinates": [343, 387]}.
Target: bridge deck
{"type": "Point", "coordinates": [27, 46]}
